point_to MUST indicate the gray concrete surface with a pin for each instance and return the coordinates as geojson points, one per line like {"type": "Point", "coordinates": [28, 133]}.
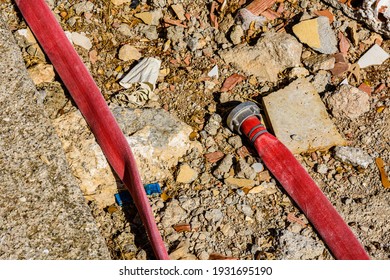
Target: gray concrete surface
{"type": "Point", "coordinates": [43, 214]}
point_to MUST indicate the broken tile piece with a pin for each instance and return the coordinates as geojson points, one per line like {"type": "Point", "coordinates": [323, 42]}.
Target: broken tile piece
{"type": "Point", "coordinates": [299, 118]}
{"type": "Point", "coordinates": [325, 13]}
{"type": "Point", "coordinates": [232, 81]}
{"type": "Point", "coordinates": [317, 34]}
{"type": "Point", "coordinates": [374, 56]}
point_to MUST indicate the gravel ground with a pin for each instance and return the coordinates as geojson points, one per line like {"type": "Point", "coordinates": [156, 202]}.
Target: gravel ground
{"type": "Point", "coordinates": [213, 217]}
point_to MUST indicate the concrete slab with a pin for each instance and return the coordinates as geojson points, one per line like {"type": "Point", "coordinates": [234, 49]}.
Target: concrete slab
{"type": "Point", "coordinates": [43, 214]}
{"type": "Point", "coordinates": [299, 119]}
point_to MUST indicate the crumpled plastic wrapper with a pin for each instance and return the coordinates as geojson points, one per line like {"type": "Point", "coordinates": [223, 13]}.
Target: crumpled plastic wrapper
{"type": "Point", "coordinates": [140, 83]}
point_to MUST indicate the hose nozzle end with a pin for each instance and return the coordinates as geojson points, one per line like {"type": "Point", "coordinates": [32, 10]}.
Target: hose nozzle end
{"type": "Point", "coordinates": [240, 113]}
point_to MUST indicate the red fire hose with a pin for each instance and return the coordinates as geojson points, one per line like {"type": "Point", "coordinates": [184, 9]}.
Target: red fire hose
{"type": "Point", "coordinates": [92, 105]}
{"type": "Point", "coordinates": [297, 183]}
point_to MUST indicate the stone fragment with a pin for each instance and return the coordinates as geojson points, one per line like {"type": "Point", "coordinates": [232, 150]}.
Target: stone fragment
{"type": "Point", "coordinates": [264, 176]}
{"type": "Point", "coordinates": [150, 32]}
{"type": "Point", "coordinates": [238, 182]}
{"type": "Point", "coordinates": [295, 246]}
{"type": "Point", "coordinates": [299, 118]}
{"type": "Point", "coordinates": [319, 62]}
{"type": "Point", "coordinates": [150, 18]}
{"type": "Point", "coordinates": [179, 11]}
{"type": "Point", "coordinates": [246, 209]}
{"type": "Point", "coordinates": [322, 168]}
{"type": "Point", "coordinates": [236, 34]}
{"type": "Point", "coordinates": [374, 56]}
{"type": "Point", "coordinates": [83, 7]}
{"type": "Point", "coordinates": [41, 73]}
{"type": "Point", "coordinates": [258, 167]}
{"type": "Point", "coordinates": [265, 188]}
{"type": "Point", "coordinates": [354, 156]}
{"type": "Point", "coordinates": [321, 81]}
{"type": "Point", "coordinates": [374, 14]}
{"type": "Point", "coordinates": [173, 214]}
{"type": "Point", "coordinates": [181, 252]}
{"type": "Point", "coordinates": [28, 35]}
{"type": "Point", "coordinates": [244, 170]}
{"type": "Point", "coordinates": [186, 174]}
{"type": "Point", "coordinates": [223, 167]}
{"type": "Point", "coordinates": [348, 101]}
{"type": "Point", "coordinates": [317, 34]}
{"type": "Point", "coordinates": [156, 138]}
{"type": "Point", "coordinates": [247, 19]}
{"type": "Point", "coordinates": [235, 141]}
{"type": "Point", "coordinates": [213, 215]}
{"type": "Point", "coordinates": [43, 214]}
{"type": "Point", "coordinates": [120, 2]}
{"type": "Point", "coordinates": [125, 29]}
{"type": "Point", "coordinates": [272, 54]}
{"type": "Point", "coordinates": [299, 72]}
{"type": "Point", "coordinates": [128, 52]}
{"type": "Point", "coordinates": [81, 40]}
{"type": "Point", "coordinates": [213, 124]}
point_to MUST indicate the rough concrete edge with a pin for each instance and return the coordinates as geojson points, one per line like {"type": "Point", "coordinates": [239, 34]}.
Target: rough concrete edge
{"type": "Point", "coordinates": [381, 28]}
{"type": "Point", "coordinates": [105, 254]}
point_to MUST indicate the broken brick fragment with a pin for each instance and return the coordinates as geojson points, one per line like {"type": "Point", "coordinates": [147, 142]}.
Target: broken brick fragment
{"type": "Point", "coordinates": [232, 81]}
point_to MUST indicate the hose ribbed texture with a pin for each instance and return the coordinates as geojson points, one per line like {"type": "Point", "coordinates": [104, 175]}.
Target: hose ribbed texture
{"type": "Point", "coordinates": [307, 195]}
{"type": "Point", "coordinates": [92, 105]}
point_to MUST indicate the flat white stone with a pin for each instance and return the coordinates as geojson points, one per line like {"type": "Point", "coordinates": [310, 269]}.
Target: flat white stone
{"type": "Point", "coordinates": [299, 118]}
{"type": "Point", "coordinates": [81, 40]}
{"type": "Point", "coordinates": [374, 56]}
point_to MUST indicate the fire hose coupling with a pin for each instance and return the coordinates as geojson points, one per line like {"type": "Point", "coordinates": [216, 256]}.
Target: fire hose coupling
{"type": "Point", "coordinates": [240, 114]}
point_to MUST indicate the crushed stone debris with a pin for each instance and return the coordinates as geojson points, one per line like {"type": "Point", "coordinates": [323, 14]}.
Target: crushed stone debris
{"type": "Point", "coordinates": [218, 201]}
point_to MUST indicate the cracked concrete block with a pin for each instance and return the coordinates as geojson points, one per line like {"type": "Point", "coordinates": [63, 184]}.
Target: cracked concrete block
{"type": "Point", "coordinates": [43, 214]}
{"type": "Point", "coordinates": [299, 118]}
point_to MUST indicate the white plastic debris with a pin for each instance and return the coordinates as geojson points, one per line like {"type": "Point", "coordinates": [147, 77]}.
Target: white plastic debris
{"type": "Point", "coordinates": [145, 72]}
{"type": "Point", "coordinates": [344, 82]}
{"type": "Point", "coordinates": [214, 72]}
{"type": "Point", "coordinates": [142, 78]}
{"type": "Point", "coordinates": [246, 17]}
{"type": "Point", "coordinates": [374, 56]}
